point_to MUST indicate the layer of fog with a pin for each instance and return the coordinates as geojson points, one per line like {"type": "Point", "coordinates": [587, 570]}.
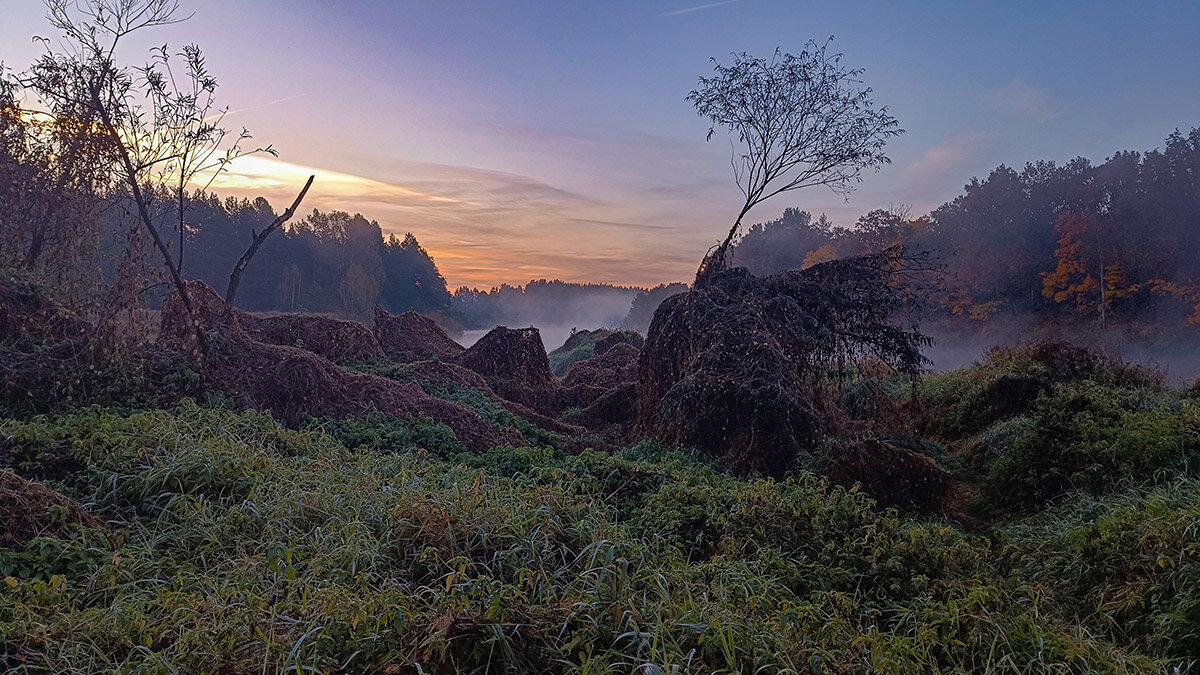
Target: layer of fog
{"type": "Point", "coordinates": [553, 337]}
{"type": "Point", "coordinates": [586, 312]}
{"type": "Point", "coordinates": [1177, 357]}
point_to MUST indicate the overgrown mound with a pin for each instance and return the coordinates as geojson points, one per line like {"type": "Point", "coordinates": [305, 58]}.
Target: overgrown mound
{"type": "Point", "coordinates": [53, 358]}
{"type": "Point", "coordinates": [612, 412]}
{"type": "Point", "coordinates": [620, 337]}
{"type": "Point", "coordinates": [292, 383]}
{"type": "Point", "coordinates": [1065, 362]}
{"type": "Point", "coordinates": [896, 476]}
{"type": "Point", "coordinates": [734, 366]}
{"type": "Point", "coordinates": [606, 370]}
{"type": "Point", "coordinates": [207, 313]}
{"type": "Point", "coordinates": [456, 383]}
{"type": "Point", "coordinates": [434, 376]}
{"type": "Point", "coordinates": [1010, 379]}
{"type": "Point", "coordinates": [410, 337]}
{"type": "Point", "coordinates": [516, 367]}
{"type": "Point", "coordinates": [25, 310]}
{"type": "Point", "coordinates": [29, 510]}
{"type": "Point", "coordinates": [514, 355]}
{"type": "Point", "coordinates": [585, 344]}
{"type": "Point", "coordinates": [339, 341]}
{"type": "Point", "coordinates": [605, 391]}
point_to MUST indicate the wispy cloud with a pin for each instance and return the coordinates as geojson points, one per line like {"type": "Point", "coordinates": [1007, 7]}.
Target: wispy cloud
{"type": "Point", "coordinates": [1021, 98]}
{"type": "Point", "coordinates": [944, 166]}
{"type": "Point", "coordinates": [698, 8]}
{"type": "Point", "coordinates": [277, 101]}
{"type": "Point", "coordinates": [230, 113]}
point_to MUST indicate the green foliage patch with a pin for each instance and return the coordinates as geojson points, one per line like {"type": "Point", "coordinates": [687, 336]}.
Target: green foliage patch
{"type": "Point", "coordinates": [377, 546]}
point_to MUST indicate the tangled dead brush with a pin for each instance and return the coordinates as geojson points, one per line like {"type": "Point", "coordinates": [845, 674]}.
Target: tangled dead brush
{"type": "Point", "coordinates": [605, 389]}
{"type": "Point", "coordinates": [894, 476]}
{"type": "Point", "coordinates": [29, 509]}
{"type": "Point", "coordinates": [342, 342]}
{"type": "Point", "coordinates": [292, 383]}
{"type": "Point", "coordinates": [53, 357]}
{"type": "Point", "coordinates": [734, 366]}
{"type": "Point", "coordinates": [608, 369]}
{"type": "Point", "coordinates": [514, 355]}
{"type": "Point", "coordinates": [515, 365]}
{"type": "Point", "coordinates": [25, 311]}
{"type": "Point", "coordinates": [409, 337]}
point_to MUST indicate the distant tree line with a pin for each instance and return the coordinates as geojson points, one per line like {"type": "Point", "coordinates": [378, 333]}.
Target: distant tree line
{"type": "Point", "coordinates": [1115, 242]}
{"type": "Point", "coordinates": [330, 262]}
{"type": "Point", "coordinates": [545, 303]}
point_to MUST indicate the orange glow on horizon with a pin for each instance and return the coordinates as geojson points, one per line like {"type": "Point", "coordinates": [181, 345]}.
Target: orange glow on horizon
{"type": "Point", "coordinates": [474, 242]}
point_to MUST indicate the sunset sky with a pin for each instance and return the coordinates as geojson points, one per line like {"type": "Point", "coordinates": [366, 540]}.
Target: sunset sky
{"type": "Point", "coordinates": [524, 140]}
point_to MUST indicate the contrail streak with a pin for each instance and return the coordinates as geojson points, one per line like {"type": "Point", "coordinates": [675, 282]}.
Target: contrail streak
{"type": "Point", "coordinates": [697, 9]}
{"type": "Point", "coordinates": [261, 105]}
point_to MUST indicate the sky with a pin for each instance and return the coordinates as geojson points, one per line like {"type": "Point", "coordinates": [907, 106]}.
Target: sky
{"type": "Point", "coordinates": [551, 138]}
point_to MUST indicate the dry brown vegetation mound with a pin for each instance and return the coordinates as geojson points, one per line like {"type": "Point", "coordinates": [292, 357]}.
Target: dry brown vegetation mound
{"type": "Point", "coordinates": [208, 314]}
{"type": "Point", "coordinates": [448, 377]}
{"type": "Point", "coordinates": [611, 412]}
{"type": "Point", "coordinates": [604, 388]}
{"type": "Point", "coordinates": [610, 368]}
{"type": "Point", "coordinates": [27, 511]}
{"type": "Point", "coordinates": [291, 383]}
{"type": "Point", "coordinates": [733, 367]}
{"type": "Point", "coordinates": [1064, 362]}
{"type": "Point", "coordinates": [26, 311]}
{"type": "Point", "coordinates": [410, 337]}
{"type": "Point", "coordinates": [623, 337]}
{"type": "Point", "coordinates": [52, 357]}
{"type": "Point", "coordinates": [339, 341]}
{"type": "Point", "coordinates": [516, 356]}
{"type": "Point", "coordinates": [516, 366]}
{"type": "Point", "coordinates": [894, 476]}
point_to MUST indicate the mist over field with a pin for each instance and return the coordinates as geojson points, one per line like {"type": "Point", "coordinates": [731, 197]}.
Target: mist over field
{"type": "Point", "coordinates": [553, 337]}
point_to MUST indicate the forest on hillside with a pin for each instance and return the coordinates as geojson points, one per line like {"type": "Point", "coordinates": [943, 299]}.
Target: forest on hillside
{"type": "Point", "coordinates": [1104, 246]}
{"type": "Point", "coordinates": [1073, 243]}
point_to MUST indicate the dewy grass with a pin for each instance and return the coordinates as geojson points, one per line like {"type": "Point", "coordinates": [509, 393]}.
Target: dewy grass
{"type": "Point", "coordinates": [236, 545]}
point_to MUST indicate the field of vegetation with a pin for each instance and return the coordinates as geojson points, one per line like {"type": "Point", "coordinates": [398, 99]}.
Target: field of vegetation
{"type": "Point", "coordinates": [199, 537]}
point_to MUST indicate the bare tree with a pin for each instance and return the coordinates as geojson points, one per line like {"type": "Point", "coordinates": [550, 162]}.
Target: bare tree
{"type": "Point", "coordinates": [50, 182]}
{"type": "Point", "coordinates": [794, 121]}
{"type": "Point", "coordinates": [188, 126]}
{"type": "Point", "coordinates": [161, 123]}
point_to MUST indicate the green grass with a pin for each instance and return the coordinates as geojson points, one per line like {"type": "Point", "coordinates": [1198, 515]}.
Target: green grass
{"type": "Point", "coordinates": [236, 545]}
{"type": "Point", "coordinates": [582, 346]}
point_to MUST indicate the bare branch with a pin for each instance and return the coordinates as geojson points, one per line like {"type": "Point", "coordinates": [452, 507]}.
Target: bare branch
{"type": "Point", "coordinates": [235, 276]}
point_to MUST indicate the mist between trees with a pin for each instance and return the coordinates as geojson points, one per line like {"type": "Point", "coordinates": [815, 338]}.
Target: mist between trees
{"type": "Point", "coordinates": [1108, 252]}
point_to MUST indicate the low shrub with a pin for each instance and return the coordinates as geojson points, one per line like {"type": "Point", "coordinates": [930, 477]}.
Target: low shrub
{"type": "Point", "coordinates": [1089, 437]}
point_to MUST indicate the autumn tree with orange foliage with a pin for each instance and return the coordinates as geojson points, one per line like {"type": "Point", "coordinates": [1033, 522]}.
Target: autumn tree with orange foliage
{"type": "Point", "coordinates": [1070, 279]}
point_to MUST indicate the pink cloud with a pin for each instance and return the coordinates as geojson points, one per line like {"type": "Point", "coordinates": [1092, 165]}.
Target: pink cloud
{"type": "Point", "coordinates": [946, 164]}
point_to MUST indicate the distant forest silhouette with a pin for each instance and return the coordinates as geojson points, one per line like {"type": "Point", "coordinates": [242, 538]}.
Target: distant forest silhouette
{"type": "Point", "coordinates": [1116, 243]}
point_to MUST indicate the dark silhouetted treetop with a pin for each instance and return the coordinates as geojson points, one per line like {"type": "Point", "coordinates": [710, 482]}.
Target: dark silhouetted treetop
{"type": "Point", "coordinates": [795, 121]}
